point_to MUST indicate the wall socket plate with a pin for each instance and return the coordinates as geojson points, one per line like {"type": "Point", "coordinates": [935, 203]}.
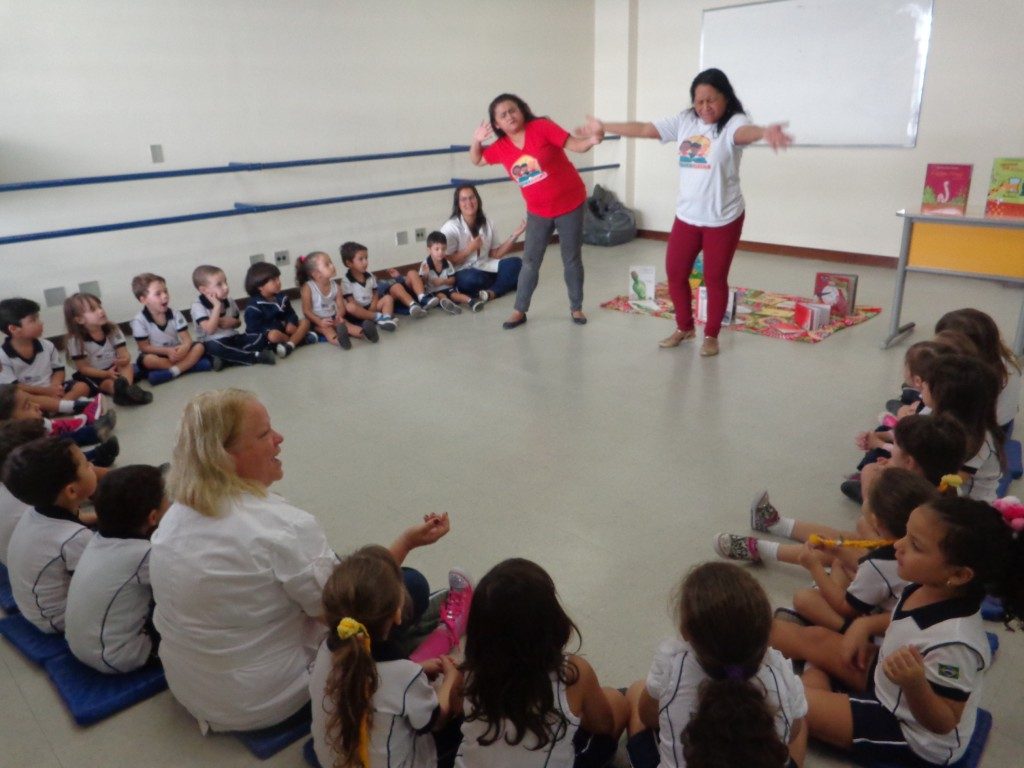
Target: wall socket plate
{"type": "Point", "coordinates": [54, 297]}
{"type": "Point", "coordinates": [281, 258]}
{"type": "Point", "coordinates": [92, 286]}
{"type": "Point", "coordinates": [421, 234]}
{"type": "Point", "coordinates": [256, 258]}
{"type": "Point", "coordinates": [156, 151]}
{"type": "Point", "coordinates": [402, 238]}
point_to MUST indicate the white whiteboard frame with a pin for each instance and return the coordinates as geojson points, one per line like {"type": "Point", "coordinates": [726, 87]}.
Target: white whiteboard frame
{"type": "Point", "coordinates": [806, 62]}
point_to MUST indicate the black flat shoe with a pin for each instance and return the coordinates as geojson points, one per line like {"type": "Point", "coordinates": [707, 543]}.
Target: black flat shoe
{"type": "Point", "coordinates": [581, 320]}
{"type": "Point", "coordinates": [508, 325]}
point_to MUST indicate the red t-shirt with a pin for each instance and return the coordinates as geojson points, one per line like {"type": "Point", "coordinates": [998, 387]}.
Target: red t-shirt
{"type": "Point", "coordinates": [550, 184]}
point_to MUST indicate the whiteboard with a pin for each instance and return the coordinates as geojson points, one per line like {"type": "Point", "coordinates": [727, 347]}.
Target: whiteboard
{"type": "Point", "coordinates": [841, 72]}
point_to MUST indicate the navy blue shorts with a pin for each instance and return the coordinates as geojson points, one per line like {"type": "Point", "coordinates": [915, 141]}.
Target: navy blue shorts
{"type": "Point", "coordinates": [642, 749]}
{"type": "Point", "coordinates": [877, 736]}
{"type": "Point", "coordinates": [384, 286]}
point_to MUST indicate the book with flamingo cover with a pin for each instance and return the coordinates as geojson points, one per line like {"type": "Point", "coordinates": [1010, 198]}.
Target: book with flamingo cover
{"type": "Point", "coordinates": [1006, 189]}
{"type": "Point", "coordinates": [945, 189]}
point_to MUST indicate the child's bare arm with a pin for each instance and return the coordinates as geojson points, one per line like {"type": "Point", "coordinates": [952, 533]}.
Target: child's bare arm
{"type": "Point", "coordinates": [83, 367]}
{"type": "Point", "coordinates": [50, 391]}
{"type": "Point", "coordinates": [147, 347]}
{"type": "Point", "coordinates": [905, 668]}
{"type": "Point", "coordinates": [832, 591]}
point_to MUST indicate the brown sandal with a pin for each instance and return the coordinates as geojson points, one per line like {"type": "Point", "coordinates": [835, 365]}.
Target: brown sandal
{"type": "Point", "coordinates": [677, 338]}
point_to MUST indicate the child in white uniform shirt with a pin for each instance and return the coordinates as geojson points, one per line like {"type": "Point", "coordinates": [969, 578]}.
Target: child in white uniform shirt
{"type": "Point", "coordinates": [108, 621]}
{"type": "Point", "coordinates": [438, 276]}
{"type": "Point", "coordinates": [926, 680]}
{"type": "Point", "coordinates": [323, 304]}
{"type": "Point", "coordinates": [365, 299]}
{"type": "Point", "coordinates": [54, 477]}
{"type": "Point", "coordinates": [13, 434]}
{"type": "Point", "coordinates": [217, 319]}
{"type": "Point", "coordinates": [166, 349]}
{"type": "Point", "coordinates": [720, 660]}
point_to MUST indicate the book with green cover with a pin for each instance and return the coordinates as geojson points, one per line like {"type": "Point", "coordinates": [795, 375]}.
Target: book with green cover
{"type": "Point", "coordinates": [1006, 189]}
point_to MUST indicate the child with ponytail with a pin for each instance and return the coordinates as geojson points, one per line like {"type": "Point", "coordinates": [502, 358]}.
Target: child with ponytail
{"type": "Point", "coordinates": [323, 305]}
{"type": "Point", "coordinates": [371, 706]}
{"type": "Point", "coordinates": [720, 664]}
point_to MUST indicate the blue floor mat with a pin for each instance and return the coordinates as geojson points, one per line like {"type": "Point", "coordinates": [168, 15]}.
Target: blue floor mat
{"type": "Point", "coordinates": [34, 645]}
{"type": "Point", "coordinates": [992, 609]}
{"type": "Point", "coordinates": [91, 696]}
{"type": "Point", "coordinates": [269, 741]}
{"type": "Point", "coordinates": [309, 754]}
{"type": "Point", "coordinates": [972, 757]}
{"type": "Point", "coordinates": [6, 595]}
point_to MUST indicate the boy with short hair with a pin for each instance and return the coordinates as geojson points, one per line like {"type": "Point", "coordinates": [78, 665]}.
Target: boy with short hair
{"type": "Point", "coordinates": [269, 312]}
{"type": "Point", "coordinates": [166, 349]}
{"type": "Point", "coordinates": [368, 299]}
{"type": "Point", "coordinates": [217, 319]}
{"type": "Point", "coordinates": [13, 434]}
{"type": "Point", "coordinates": [110, 602]}
{"type": "Point", "coordinates": [35, 364]}
{"type": "Point", "coordinates": [54, 477]}
{"type": "Point", "coordinates": [438, 276]}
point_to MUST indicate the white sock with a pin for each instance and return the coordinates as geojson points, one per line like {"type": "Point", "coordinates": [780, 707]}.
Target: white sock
{"type": "Point", "coordinates": [768, 550]}
{"type": "Point", "coordinates": [784, 527]}
{"type": "Point", "coordinates": [175, 371]}
{"type": "Point", "coordinates": [66, 406]}
{"type": "Point", "coordinates": [290, 345]}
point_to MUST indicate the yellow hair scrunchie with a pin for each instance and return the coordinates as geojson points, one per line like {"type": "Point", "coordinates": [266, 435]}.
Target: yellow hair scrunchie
{"type": "Point", "coordinates": [950, 481]}
{"type": "Point", "coordinates": [349, 628]}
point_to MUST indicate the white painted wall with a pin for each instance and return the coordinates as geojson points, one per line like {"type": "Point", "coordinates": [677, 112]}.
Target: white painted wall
{"type": "Point", "coordinates": [832, 198]}
{"type": "Point", "coordinates": [88, 85]}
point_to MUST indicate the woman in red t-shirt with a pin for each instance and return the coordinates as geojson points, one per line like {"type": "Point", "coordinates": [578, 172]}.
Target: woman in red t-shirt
{"type": "Point", "coordinates": [532, 150]}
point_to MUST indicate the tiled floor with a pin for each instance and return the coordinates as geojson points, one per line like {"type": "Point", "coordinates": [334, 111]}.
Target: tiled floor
{"type": "Point", "coordinates": [590, 450]}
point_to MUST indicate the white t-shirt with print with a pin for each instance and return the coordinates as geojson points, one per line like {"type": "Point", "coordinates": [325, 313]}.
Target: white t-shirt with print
{"type": "Point", "coordinates": [459, 237]}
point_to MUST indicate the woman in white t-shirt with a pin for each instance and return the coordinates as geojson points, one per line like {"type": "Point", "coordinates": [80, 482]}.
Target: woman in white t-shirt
{"type": "Point", "coordinates": [483, 267]}
{"type": "Point", "coordinates": [710, 135]}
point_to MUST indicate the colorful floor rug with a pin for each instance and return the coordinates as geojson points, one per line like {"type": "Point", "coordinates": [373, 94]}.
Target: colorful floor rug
{"type": "Point", "coordinates": [761, 312]}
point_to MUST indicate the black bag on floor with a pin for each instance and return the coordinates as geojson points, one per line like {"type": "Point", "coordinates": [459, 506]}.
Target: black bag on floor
{"type": "Point", "coordinates": [606, 221]}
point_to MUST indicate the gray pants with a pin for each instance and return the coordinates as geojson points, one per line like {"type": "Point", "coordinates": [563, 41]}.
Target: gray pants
{"type": "Point", "coordinates": [570, 235]}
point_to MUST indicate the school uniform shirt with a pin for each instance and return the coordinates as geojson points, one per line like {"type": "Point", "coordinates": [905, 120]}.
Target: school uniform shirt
{"type": "Point", "coordinates": [324, 304]}
{"type": "Point", "coordinates": [459, 235]}
{"type": "Point", "coordinates": [145, 327]}
{"type": "Point", "coordinates": [709, 168]}
{"type": "Point", "coordinates": [427, 272]}
{"type": "Point", "coordinates": [44, 551]}
{"type": "Point", "coordinates": [109, 602]}
{"type": "Point", "coordinates": [101, 354]}
{"type": "Point", "coordinates": [674, 682]}
{"type": "Point", "coordinates": [951, 638]}
{"type": "Point", "coordinates": [876, 586]}
{"type": "Point", "coordinates": [558, 753]}
{"type": "Point", "coordinates": [550, 184]}
{"type": "Point", "coordinates": [201, 310]}
{"type": "Point", "coordinates": [34, 371]}
{"type": "Point", "coordinates": [404, 710]}
{"type": "Point", "coordinates": [362, 293]}
{"type": "Point", "coordinates": [237, 596]}
{"type": "Point", "coordinates": [983, 472]}
{"type": "Point", "coordinates": [11, 511]}
{"type": "Point", "coordinates": [1009, 397]}
{"type": "Point", "coordinates": [263, 315]}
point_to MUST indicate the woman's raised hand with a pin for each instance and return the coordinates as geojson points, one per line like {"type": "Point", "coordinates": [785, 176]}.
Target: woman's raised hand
{"type": "Point", "coordinates": [592, 127]}
{"type": "Point", "coordinates": [776, 138]}
{"type": "Point", "coordinates": [483, 132]}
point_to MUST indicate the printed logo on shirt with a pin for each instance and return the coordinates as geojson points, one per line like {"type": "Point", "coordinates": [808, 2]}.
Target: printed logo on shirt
{"type": "Point", "coordinates": [693, 152]}
{"type": "Point", "coordinates": [526, 171]}
{"type": "Point", "coordinates": [949, 671]}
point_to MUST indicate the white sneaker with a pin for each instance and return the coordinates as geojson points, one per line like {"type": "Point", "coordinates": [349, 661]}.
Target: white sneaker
{"type": "Point", "coordinates": [450, 306]}
{"type": "Point", "coordinates": [415, 310]}
{"type": "Point", "coordinates": [484, 296]}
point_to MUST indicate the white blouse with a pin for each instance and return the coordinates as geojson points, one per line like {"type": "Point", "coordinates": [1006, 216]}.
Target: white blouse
{"type": "Point", "coordinates": [459, 236]}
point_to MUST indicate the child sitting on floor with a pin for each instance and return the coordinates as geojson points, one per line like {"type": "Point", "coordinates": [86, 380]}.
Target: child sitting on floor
{"type": "Point", "coordinates": [99, 352]}
{"type": "Point", "coordinates": [269, 312]}
{"type": "Point", "coordinates": [438, 276]}
{"type": "Point", "coordinates": [108, 620]}
{"type": "Point", "coordinates": [34, 364]}
{"type": "Point", "coordinates": [365, 299]}
{"type": "Point", "coordinates": [720, 659]}
{"type": "Point", "coordinates": [324, 306]}
{"type": "Point", "coordinates": [216, 319]}
{"type": "Point", "coordinates": [166, 349]}
{"type": "Point", "coordinates": [52, 476]}
{"type": "Point", "coordinates": [13, 434]}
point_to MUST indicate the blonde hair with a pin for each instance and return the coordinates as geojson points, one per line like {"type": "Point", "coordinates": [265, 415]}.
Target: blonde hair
{"type": "Point", "coordinates": [202, 474]}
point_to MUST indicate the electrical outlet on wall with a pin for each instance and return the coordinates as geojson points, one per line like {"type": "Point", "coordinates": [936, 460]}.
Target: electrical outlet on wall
{"type": "Point", "coordinates": [157, 152]}
{"type": "Point", "coordinates": [421, 234]}
{"type": "Point", "coordinates": [256, 258]}
{"type": "Point", "coordinates": [280, 258]}
{"type": "Point", "coordinates": [402, 238]}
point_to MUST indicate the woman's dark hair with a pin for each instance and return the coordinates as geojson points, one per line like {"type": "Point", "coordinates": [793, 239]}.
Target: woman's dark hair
{"type": "Point", "coordinates": [365, 586]}
{"type": "Point", "coordinates": [936, 442]}
{"type": "Point", "coordinates": [349, 250]}
{"type": "Point", "coordinates": [259, 274]}
{"type": "Point", "coordinates": [305, 265]}
{"type": "Point", "coordinates": [895, 494]}
{"type": "Point", "coordinates": [981, 329]}
{"type": "Point", "coordinates": [36, 472]}
{"type": "Point", "coordinates": [967, 389]}
{"type": "Point", "coordinates": [978, 538]}
{"type": "Point", "coordinates": [481, 219]}
{"type": "Point", "coordinates": [523, 107]}
{"type": "Point", "coordinates": [716, 79]}
{"type": "Point", "coordinates": [515, 641]}
{"type": "Point", "coordinates": [125, 497]}
{"type": "Point", "coordinates": [732, 727]}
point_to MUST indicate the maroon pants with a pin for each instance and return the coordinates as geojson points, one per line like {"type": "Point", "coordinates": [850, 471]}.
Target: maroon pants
{"type": "Point", "coordinates": [719, 246]}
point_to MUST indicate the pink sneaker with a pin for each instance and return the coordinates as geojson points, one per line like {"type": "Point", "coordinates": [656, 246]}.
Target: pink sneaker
{"type": "Point", "coordinates": [66, 425]}
{"type": "Point", "coordinates": [455, 610]}
{"type": "Point", "coordinates": [93, 408]}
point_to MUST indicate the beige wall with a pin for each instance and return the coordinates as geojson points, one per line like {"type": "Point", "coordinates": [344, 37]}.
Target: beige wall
{"type": "Point", "coordinates": [838, 199]}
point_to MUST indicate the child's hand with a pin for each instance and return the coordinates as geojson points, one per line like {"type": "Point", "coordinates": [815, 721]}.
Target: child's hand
{"type": "Point", "coordinates": [54, 390]}
{"type": "Point", "coordinates": [450, 669]}
{"type": "Point", "coordinates": [394, 273]}
{"type": "Point", "coordinates": [856, 648]}
{"type": "Point", "coordinates": [176, 354]}
{"type": "Point", "coordinates": [808, 557]}
{"type": "Point", "coordinates": [483, 132]}
{"type": "Point", "coordinates": [861, 441]}
{"type": "Point", "coordinates": [475, 244]}
{"type": "Point", "coordinates": [432, 528]}
{"type": "Point", "coordinates": [879, 439]}
{"type": "Point", "coordinates": [905, 667]}
{"type": "Point", "coordinates": [432, 668]}
{"type": "Point", "coordinates": [906, 410]}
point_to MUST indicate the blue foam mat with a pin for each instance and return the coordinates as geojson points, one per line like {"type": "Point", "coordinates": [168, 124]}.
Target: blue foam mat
{"type": "Point", "coordinates": [993, 643]}
{"type": "Point", "coordinates": [1014, 467]}
{"type": "Point", "coordinates": [266, 742]}
{"type": "Point", "coordinates": [992, 609]}
{"type": "Point", "coordinates": [309, 755]}
{"type": "Point", "coordinates": [6, 595]}
{"type": "Point", "coordinates": [91, 696]}
{"type": "Point", "coordinates": [34, 645]}
{"type": "Point", "coordinates": [972, 757]}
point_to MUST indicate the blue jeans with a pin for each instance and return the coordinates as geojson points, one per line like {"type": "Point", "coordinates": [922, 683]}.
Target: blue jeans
{"type": "Point", "coordinates": [472, 281]}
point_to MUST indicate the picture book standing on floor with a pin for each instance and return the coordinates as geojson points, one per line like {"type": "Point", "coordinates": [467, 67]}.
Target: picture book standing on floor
{"type": "Point", "coordinates": [945, 189]}
{"type": "Point", "coordinates": [839, 291]}
{"type": "Point", "coordinates": [641, 284]}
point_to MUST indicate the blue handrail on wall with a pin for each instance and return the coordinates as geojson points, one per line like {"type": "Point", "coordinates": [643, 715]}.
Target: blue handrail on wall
{"type": "Point", "coordinates": [241, 209]}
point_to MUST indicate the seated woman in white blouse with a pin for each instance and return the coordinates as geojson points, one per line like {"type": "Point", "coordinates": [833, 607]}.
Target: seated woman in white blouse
{"type": "Point", "coordinates": [238, 573]}
{"type": "Point", "coordinates": [482, 267]}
